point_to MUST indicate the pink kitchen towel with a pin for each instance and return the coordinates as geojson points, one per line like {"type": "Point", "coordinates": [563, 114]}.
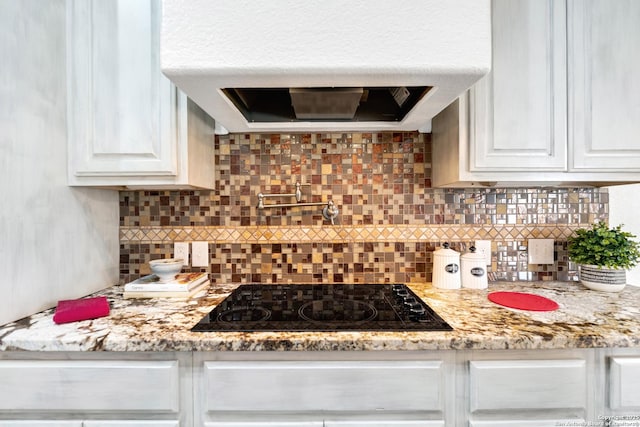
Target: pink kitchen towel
{"type": "Point", "coordinates": [81, 309]}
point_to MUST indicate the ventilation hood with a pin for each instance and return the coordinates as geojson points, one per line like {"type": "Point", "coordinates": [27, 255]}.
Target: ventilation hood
{"type": "Point", "coordinates": [325, 65]}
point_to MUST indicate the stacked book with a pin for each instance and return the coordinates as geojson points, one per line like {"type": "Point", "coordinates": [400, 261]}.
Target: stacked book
{"type": "Point", "coordinates": [185, 285]}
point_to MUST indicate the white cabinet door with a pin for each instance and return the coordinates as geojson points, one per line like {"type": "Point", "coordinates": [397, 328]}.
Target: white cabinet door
{"type": "Point", "coordinates": [264, 424]}
{"type": "Point", "coordinates": [79, 386]}
{"type": "Point", "coordinates": [386, 423]}
{"type": "Point", "coordinates": [130, 423]}
{"type": "Point", "coordinates": [518, 111]}
{"type": "Point", "coordinates": [120, 104]}
{"type": "Point", "coordinates": [128, 125]}
{"type": "Point", "coordinates": [40, 423]}
{"type": "Point", "coordinates": [528, 423]}
{"type": "Point", "coordinates": [499, 385]}
{"type": "Point", "coordinates": [379, 386]}
{"type": "Point", "coordinates": [604, 88]}
{"type": "Point", "coordinates": [624, 384]}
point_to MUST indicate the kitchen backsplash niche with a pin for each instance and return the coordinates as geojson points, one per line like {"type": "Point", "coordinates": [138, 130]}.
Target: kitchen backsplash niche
{"type": "Point", "coordinates": [390, 219]}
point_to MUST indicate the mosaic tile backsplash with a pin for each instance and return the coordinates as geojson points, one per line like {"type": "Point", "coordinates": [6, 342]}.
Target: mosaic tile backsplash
{"type": "Point", "coordinates": [390, 219]}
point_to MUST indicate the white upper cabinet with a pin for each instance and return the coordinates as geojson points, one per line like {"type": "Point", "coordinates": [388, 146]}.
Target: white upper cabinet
{"type": "Point", "coordinates": [128, 125]}
{"type": "Point", "coordinates": [518, 111]}
{"type": "Point", "coordinates": [560, 105]}
{"type": "Point", "coordinates": [604, 88]}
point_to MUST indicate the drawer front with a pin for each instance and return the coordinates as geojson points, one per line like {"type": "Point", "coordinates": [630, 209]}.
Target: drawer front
{"type": "Point", "coordinates": [324, 386]}
{"type": "Point", "coordinates": [265, 424]}
{"type": "Point", "coordinates": [130, 423]}
{"type": "Point", "coordinates": [536, 423]}
{"type": "Point", "coordinates": [69, 385]}
{"type": "Point", "coordinates": [624, 383]}
{"type": "Point", "coordinates": [386, 423]}
{"type": "Point", "coordinates": [41, 423]}
{"type": "Point", "coordinates": [527, 384]}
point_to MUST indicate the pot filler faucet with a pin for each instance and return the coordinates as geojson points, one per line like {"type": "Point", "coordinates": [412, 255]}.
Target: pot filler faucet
{"type": "Point", "coordinates": [329, 212]}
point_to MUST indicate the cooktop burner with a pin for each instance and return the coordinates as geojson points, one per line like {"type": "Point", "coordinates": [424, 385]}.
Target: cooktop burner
{"type": "Point", "coordinates": [335, 307]}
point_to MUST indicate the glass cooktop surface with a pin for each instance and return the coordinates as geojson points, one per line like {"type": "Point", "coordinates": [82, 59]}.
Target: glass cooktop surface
{"type": "Point", "coordinates": [318, 307]}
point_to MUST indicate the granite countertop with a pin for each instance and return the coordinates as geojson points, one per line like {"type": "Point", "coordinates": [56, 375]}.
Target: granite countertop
{"type": "Point", "coordinates": [585, 319]}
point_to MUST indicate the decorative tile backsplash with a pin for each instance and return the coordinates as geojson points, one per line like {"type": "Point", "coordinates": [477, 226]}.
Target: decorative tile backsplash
{"type": "Point", "coordinates": [390, 219]}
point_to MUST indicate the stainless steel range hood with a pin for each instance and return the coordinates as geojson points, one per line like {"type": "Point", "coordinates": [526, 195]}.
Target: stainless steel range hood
{"type": "Point", "coordinates": [330, 65]}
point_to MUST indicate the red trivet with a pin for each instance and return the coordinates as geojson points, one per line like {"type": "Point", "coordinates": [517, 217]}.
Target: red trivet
{"type": "Point", "coordinates": [523, 301]}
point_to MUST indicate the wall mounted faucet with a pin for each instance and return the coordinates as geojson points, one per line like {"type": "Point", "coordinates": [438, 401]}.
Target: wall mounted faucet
{"type": "Point", "coordinates": [329, 212]}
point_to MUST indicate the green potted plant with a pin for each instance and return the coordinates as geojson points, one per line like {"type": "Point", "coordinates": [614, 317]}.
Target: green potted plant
{"type": "Point", "coordinates": [603, 255]}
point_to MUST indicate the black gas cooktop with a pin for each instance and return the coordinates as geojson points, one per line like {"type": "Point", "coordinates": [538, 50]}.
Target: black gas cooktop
{"type": "Point", "coordinates": [335, 307]}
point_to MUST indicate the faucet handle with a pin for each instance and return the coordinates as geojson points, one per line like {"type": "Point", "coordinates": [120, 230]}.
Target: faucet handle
{"type": "Point", "coordinates": [330, 212]}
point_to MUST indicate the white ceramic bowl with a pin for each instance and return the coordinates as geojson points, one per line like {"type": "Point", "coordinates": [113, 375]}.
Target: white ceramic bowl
{"type": "Point", "coordinates": [602, 287]}
{"type": "Point", "coordinates": [166, 269]}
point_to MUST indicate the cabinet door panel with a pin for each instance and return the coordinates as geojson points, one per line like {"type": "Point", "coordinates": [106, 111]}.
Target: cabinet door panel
{"type": "Point", "coordinates": [121, 108]}
{"type": "Point", "coordinates": [130, 423]}
{"type": "Point", "coordinates": [386, 423]}
{"type": "Point", "coordinates": [604, 89]}
{"type": "Point", "coordinates": [521, 423]}
{"type": "Point", "coordinates": [527, 384]}
{"type": "Point", "coordinates": [324, 386]}
{"type": "Point", "coordinates": [518, 111]}
{"type": "Point", "coordinates": [38, 385]}
{"type": "Point", "coordinates": [624, 383]}
{"type": "Point", "coordinates": [40, 423]}
{"type": "Point", "coordinates": [265, 424]}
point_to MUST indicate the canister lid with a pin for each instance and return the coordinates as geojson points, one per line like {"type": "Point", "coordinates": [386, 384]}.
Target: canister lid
{"type": "Point", "coordinates": [472, 255]}
{"type": "Point", "coordinates": [445, 251]}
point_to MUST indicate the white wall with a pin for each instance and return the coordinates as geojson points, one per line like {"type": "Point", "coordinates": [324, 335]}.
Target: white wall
{"type": "Point", "coordinates": [56, 242]}
{"type": "Point", "coordinates": [624, 208]}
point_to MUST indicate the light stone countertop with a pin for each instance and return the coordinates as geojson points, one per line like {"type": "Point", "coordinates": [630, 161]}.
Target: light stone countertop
{"type": "Point", "coordinates": [585, 319]}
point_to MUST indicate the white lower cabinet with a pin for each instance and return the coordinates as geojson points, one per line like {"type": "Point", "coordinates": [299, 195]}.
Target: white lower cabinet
{"type": "Point", "coordinates": [90, 423]}
{"type": "Point", "coordinates": [131, 423]}
{"type": "Point", "coordinates": [464, 388]}
{"type": "Point", "coordinates": [624, 385]}
{"type": "Point", "coordinates": [40, 423]}
{"type": "Point", "coordinates": [327, 423]}
{"type": "Point", "coordinates": [527, 384]}
{"type": "Point", "coordinates": [264, 424]}
{"type": "Point", "coordinates": [535, 423]}
{"type": "Point", "coordinates": [527, 389]}
{"type": "Point", "coordinates": [389, 423]}
{"type": "Point", "coordinates": [81, 385]}
{"type": "Point", "coordinates": [319, 389]}
{"type": "Point", "coordinates": [95, 390]}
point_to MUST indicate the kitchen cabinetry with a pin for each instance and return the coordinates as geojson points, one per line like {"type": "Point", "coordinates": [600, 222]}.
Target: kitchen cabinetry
{"type": "Point", "coordinates": [604, 38]}
{"type": "Point", "coordinates": [515, 388]}
{"type": "Point", "coordinates": [623, 387]}
{"type": "Point", "coordinates": [128, 125]}
{"type": "Point", "coordinates": [518, 126]}
{"type": "Point", "coordinates": [105, 390]}
{"type": "Point", "coordinates": [339, 390]}
{"type": "Point", "coordinates": [41, 423]}
{"type": "Point", "coordinates": [518, 111]}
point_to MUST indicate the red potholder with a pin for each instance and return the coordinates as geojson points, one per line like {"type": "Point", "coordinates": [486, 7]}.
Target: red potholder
{"type": "Point", "coordinates": [81, 309]}
{"type": "Point", "coordinates": [523, 301]}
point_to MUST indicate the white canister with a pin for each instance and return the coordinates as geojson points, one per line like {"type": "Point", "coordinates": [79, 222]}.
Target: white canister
{"type": "Point", "coordinates": [474, 270]}
{"type": "Point", "coordinates": [446, 268]}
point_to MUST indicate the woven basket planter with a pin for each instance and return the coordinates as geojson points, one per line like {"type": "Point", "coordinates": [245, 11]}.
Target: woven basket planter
{"type": "Point", "coordinates": [602, 278]}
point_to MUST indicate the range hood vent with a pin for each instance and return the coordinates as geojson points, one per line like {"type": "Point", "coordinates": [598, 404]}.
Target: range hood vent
{"type": "Point", "coordinates": [326, 103]}
{"type": "Point", "coordinates": [357, 104]}
{"type": "Point", "coordinates": [331, 65]}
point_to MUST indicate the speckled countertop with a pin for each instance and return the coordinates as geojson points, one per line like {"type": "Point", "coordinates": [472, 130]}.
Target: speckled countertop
{"type": "Point", "coordinates": [585, 319]}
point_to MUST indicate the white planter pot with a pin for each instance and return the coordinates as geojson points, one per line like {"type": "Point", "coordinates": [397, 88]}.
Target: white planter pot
{"type": "Point", "coordinates": [602, 278]}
